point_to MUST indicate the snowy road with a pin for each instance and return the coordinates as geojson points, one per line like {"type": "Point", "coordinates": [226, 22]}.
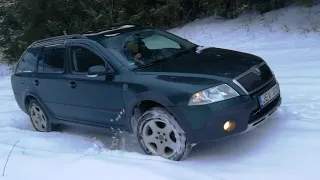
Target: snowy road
{"type": "Point", "coordinates": [285, 147]}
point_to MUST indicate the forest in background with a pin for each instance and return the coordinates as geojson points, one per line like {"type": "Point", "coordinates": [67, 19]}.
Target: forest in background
{"type": "Point", "coordinates": [24, 21]}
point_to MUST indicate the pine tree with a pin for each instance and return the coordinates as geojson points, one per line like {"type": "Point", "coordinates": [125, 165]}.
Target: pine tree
{"type": "Point", "coordinates": [24, 21]}
{"type": "Point", "coordinates": [306, 3]}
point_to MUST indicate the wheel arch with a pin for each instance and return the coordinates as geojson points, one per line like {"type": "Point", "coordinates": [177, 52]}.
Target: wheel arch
{"type": "Point", "coordinates": [149, 100]}
{"type": "Point", "coordinates": [28, 96]}
{"type": "Point", "coordinates": [27, 100]}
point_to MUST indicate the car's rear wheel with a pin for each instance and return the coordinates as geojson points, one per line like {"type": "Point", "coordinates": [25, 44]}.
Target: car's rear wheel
{"type": "Point", "coordinates": [160, 134]}
{"type": "Point", "coordinates": [39, 118]}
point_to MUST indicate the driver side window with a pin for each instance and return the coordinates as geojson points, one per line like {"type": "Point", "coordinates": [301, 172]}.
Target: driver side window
{"type": "Point", "coordinates": [82, 59]}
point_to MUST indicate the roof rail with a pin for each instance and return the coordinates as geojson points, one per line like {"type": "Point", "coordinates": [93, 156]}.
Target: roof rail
{"type": "Point", "coordinates": [56, 40]}
{"type": "Point", "coordinates": [110, 29]}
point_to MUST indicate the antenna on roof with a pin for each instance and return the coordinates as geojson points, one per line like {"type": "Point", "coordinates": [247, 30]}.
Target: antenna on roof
{"type": "Point", "coordinates": [64, 32]}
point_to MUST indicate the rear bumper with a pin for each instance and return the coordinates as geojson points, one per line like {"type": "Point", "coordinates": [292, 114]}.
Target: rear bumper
{"type": "Point", "coordinates": [207, 121]}
{"type": "Point", "coordinates": [20, 101]}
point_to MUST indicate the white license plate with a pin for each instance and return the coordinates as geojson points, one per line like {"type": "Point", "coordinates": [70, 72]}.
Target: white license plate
{"type": "Point", "coordinates": [268, 96]}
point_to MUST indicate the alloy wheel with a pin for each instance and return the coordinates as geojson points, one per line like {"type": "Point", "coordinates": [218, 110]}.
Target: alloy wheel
{"type": "Point", "coordinates": [38, 118]}
{"type": "Point", "coordinates": [160, 138]}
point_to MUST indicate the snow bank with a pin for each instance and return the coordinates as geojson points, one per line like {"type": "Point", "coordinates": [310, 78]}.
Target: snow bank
{"type": "Point", "coordinates": [285, 147]}
{"type": "Point", "coordinates": [279, 26]}
{"type": "Point", "coordinates": [4, 70]}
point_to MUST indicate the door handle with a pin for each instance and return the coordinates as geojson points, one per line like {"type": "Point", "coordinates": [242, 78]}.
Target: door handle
{"type": "Point", "coordinates": [36, 82]}
{"type": "Point", "coordinates": [72, 84]}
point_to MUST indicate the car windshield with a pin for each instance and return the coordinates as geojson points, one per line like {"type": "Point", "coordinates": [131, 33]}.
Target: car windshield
{"type": "Point", "coordinates": [144, 47]}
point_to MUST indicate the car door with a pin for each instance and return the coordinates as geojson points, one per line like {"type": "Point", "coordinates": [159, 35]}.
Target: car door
{"type": "Point", "coordinates": [94, 100]}
{"type": "Point", "coordinates": [24, 71]}
{"type": "Point", "coordinates": [50, 82]}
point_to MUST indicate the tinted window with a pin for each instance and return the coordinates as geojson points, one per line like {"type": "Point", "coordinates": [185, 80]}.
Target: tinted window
{"type": "Point", "coordinates": [28, 62]}
{"type": "Point", "coordinates": [144, 46]}
{"type": "Point", "coordinates": [160, 42]}
{"type": "Point", "coordinates": [53, 61]}
{"type": "Point", "coordinates": [82, 59]}
{"type": "Point", "coordinates": [40, 62]}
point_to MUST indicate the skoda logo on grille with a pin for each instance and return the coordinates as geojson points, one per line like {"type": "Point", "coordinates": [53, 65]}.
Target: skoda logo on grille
{"type": "Point", "coordinates": [256, 70]}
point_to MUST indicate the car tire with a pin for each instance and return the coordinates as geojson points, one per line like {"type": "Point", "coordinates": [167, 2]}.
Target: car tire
{"type": "Point", "coordinates": [38, 117]}
{"type": "Point", "coordinates": [160, 134]}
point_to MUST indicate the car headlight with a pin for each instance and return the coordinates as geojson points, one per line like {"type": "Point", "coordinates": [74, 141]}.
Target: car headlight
{"type": "Point", "coordinates": [214, 94]}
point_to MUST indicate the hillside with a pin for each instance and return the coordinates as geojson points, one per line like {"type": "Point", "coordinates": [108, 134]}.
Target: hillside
{"type": "Point", "coordinates": [285, 147]}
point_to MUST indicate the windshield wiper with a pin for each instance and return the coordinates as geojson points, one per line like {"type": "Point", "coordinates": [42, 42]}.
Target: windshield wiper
{"type": "Point", "coordinates": [199, 49]}
{"type": "Point", "coordinates": [185, 51]}
{"type": "Point", "coordinates": [171, 57]}
{"type": "Point", "coordinates": [152, 63]}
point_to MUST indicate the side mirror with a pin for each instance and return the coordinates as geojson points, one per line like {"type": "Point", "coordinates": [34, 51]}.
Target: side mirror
{"type": "Point", "coordinates": [96, 71]}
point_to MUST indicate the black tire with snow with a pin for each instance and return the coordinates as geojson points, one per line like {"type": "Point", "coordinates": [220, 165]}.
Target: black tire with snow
{"type": "Point", "coordinates": [184, 147]}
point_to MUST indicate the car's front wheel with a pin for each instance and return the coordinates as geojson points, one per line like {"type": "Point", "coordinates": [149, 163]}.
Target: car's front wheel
{"type": "Point", "coordinates": [38, 116]}
{"type": "Point", "coordinates": [160, 134]}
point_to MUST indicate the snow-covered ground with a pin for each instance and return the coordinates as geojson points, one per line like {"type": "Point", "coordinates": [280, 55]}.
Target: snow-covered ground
{"type": "Point", "coordinates": [285, 147]}
{"type": "Point", "coordinates": [4, 70]}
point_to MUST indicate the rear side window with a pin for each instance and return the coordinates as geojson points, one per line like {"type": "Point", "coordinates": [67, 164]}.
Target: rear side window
{"type": "Point", "coordinates": [52, 61]}
{"type": "Point", "coordinates": [28, 62]}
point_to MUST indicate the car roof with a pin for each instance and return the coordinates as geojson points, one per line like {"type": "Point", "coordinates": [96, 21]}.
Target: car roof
{"type": "Point", "coordinates": [109, 31]}
{"type": "Point", "coordinates": [114, 30]}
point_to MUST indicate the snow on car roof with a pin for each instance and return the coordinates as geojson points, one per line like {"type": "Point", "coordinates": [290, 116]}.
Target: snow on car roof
{"type": "Point", "coordinates": [110, 30]}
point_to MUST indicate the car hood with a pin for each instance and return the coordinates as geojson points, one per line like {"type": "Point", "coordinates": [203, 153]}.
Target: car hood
{"type": "Point", "coordinates": [210, 61]}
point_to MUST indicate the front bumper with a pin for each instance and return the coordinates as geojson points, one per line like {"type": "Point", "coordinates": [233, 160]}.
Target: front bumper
{"type": "Point", "coordinates": [265, 116]}
{"type": "Point", "coordinates": [207, 121]}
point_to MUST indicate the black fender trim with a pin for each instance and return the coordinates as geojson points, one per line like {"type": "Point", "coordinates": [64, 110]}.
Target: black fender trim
{"type": "Point", "coordinates": [162, 100]}
{"type": "Point", "coordinates": [25, 109]}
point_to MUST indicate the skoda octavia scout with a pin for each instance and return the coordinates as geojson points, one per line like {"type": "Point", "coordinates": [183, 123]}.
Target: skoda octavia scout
{"type": "Point", "coordinates": [168, 91]}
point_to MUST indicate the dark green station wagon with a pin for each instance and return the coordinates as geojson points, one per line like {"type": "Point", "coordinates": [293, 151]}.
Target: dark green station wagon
{"type": "Point", "coordinates": [168, 91]}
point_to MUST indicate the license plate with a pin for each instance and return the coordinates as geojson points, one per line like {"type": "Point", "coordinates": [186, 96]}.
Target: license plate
{"type": "Point", "coordinates": [268, 96]}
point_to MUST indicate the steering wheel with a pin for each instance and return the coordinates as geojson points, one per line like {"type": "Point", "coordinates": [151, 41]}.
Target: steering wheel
{"type": "Point", "coordinates": [155, 52]}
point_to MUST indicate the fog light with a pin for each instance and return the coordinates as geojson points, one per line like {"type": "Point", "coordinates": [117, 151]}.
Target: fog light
{"type": "Point", "coordinates": [229, 126]}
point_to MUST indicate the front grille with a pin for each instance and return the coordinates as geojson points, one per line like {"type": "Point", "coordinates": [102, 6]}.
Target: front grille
{"type": "Point", "coordinates": [258, 113]}
{"type": "Point", "coordinates": [252, 82]}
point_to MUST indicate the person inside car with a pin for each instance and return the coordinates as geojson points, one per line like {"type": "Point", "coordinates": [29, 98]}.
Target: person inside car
{"type": "Point", "coordinates": [134, 50]}
{"type": "Point", "coordinates": [138, 51]}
